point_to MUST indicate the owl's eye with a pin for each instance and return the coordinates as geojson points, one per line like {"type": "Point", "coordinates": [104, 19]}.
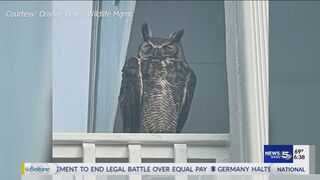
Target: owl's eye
{"type": "Point", "coordinates": [147, 46]}
{"type": "Point", "coordinates": [168, 48]}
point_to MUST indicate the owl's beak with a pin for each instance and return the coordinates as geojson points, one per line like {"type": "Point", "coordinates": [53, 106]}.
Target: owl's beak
{"type": "Point", "coordinates": [156, 52]}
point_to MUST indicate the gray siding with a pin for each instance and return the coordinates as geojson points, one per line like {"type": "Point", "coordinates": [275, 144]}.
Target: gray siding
{"type": "Point", "coordinates": [294, 72]}
{"type": "Point", "coordinates": [25, 93]}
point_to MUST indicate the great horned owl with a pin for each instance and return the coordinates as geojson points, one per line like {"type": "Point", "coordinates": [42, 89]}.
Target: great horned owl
{"type": "Point", "coordinates": [157, 86]}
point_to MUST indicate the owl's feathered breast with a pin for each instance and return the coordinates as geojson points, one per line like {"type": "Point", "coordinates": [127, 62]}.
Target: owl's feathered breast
{"type": "Point", "coordinates": [163, 83]}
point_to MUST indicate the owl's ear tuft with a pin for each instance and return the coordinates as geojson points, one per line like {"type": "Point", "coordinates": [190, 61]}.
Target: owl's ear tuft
{"type": "Point", "coordinates": [146, 32]}
{"type": "Point", "coordinates": [177, 36]}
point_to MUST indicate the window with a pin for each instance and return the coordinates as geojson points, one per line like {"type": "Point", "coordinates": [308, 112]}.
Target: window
{"type": "Point", "coordinates": [204, 48]}
{"type": "Point", "coordinates": [226, 44]}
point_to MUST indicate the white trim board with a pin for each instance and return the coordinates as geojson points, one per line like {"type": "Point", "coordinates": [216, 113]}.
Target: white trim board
{"type": "Point", "coordinates": [247, 33]}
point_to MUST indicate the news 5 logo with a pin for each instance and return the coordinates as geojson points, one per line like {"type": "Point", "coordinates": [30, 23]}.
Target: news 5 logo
{"type": "Point", "coordinates": [278, 153]}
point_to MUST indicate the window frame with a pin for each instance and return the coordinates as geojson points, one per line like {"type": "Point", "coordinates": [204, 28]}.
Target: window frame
{"type": "Point", "coordinates": [247, 60]}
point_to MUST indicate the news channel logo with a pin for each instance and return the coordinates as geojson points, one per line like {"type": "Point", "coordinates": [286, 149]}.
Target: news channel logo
{"type": "Point", "coordinates": [278, 153]}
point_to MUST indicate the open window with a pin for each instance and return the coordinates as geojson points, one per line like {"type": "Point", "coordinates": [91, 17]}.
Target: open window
{"type": "Point", "coordinates": [204, 48]}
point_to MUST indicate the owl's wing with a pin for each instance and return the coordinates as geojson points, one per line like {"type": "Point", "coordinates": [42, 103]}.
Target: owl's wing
{"type": "Point", "coordinates": [130, 95]}
{"type": "Point", "coordinates": [187, 96]}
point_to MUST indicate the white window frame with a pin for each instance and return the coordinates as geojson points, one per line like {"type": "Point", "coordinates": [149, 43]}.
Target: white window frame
{"type": "Point", "coordinates": [247, 50]}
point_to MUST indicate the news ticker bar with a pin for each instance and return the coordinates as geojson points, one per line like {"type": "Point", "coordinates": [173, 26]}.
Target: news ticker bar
{"type": "Point", "coordinates": [162, 168]}
{"type": "Point", "coordinates": [278, 159]}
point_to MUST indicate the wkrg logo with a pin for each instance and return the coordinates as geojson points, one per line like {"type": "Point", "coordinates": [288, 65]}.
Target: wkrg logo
{"type": "Point", "coordinates": [278, 153]}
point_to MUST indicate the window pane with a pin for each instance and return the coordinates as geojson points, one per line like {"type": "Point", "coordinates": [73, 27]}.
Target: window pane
{"type": "Point", "coordinates": [71, 59]}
